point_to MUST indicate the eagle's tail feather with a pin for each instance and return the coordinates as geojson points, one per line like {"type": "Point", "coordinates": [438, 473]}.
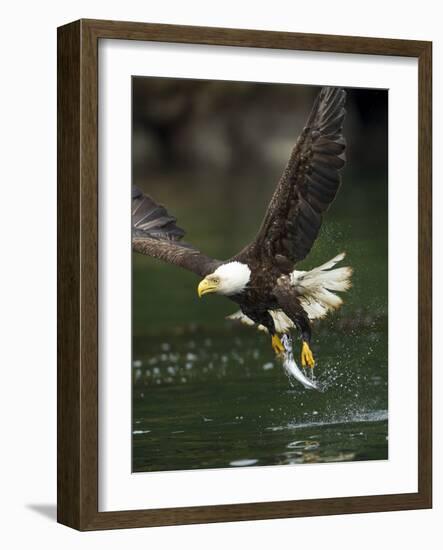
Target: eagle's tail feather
{"type": "Point", "coordinates": [317, 286]}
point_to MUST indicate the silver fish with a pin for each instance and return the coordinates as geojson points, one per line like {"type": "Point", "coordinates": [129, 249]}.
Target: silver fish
{"type": "Point", "coordinates": [292, 369]}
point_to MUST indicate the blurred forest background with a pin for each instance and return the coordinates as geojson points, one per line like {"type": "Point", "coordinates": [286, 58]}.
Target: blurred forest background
{"type": "Point", "coordinates": [208, 392]}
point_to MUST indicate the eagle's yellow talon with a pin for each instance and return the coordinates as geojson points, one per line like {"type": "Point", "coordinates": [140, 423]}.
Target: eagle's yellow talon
{"type": "Point", "coordinates": [277, 345]}
{"type": "Point", "coordinates": [307, 359]}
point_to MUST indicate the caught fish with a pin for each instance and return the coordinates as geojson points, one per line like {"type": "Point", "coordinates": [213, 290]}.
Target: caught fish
{"type": "Point", "coordinates": [292, 369]}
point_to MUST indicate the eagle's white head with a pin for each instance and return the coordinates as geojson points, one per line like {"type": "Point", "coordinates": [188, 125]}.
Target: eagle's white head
{"type": "Point", "coordinates": [228, 279]}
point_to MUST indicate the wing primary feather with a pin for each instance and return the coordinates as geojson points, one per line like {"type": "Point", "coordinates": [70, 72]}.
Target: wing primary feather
{"type": "Point", "coordinates": [307, 187]}
{"type": "Point", "coordinates": [156, 234]}
{"type": "Point", "coordinates": [152, 219]}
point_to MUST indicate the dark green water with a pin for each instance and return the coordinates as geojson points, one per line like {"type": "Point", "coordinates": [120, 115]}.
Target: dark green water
{"type": "Point", "coordinates": [208, 393]}
{"type": "Point", "coordinates": [217, 400]}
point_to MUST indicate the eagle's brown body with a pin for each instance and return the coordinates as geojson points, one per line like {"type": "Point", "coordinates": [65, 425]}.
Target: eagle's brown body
{"type": "Point", "coordinates": [259, 297]}
{"type": "Point", "coordinates": [270, 290]}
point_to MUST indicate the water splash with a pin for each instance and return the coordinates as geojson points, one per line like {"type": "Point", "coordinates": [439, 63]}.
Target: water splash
{"type": "Point", "coordinates": [356, 417]}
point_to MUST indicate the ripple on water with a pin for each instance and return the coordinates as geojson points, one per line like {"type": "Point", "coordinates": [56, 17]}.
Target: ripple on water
{"type": "Point", "coordinates": [307, 445]}
{"type": "Point", "coordinates": [244, 462]}
{"type": "Point", "coordinates": [373, 416]}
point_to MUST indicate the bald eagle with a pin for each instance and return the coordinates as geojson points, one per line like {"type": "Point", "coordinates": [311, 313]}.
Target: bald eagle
{"type": "Point", "coordinates": [262, 278]}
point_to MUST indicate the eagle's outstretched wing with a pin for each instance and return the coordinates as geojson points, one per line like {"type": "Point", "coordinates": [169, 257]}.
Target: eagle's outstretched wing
{"type": "Point", "coordinates": [155, 233]}
{"type": "Point", "coordinates": [307, 187]}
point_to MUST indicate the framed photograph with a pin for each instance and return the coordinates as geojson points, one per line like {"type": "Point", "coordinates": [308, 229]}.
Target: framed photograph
{"type": "Point", "coordinates": [244, 275]}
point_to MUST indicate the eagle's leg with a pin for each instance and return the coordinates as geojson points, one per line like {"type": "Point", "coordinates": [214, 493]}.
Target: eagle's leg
{"type": "Point", "coordinates": [264, 318]}
{"type": "Point", "coordinates": [267, 321]}
{"type": "Point", "coordinates": [290, 304]}
{"type": "Point", "coordinates": [307, 357]}
{"type": "Point", "coordinates": [277, 345]}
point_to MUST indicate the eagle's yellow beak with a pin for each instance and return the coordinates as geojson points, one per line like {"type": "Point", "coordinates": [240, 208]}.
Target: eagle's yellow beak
{"type": "Point", "coordinates": [206, 286]}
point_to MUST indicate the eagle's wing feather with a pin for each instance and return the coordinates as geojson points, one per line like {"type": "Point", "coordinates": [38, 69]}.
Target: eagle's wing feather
{"type": "Point", "coordinates": [155, 233]}
{"type": "Point", "coordinates": [307, 187]}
